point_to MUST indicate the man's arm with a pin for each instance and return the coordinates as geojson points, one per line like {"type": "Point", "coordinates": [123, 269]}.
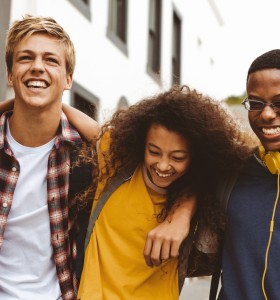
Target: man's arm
{"type": "Point", "coordinates": [163, 242]}
{"type": "Point", "coordinates": [85, 125]}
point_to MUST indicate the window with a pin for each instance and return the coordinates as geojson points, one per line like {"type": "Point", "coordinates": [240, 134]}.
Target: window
{"type": "Point", "coordinates": [154, 36]}
{"type": "Point", "coordinates": [176, 49]}
{"type": "Point", "coordinates": [85, 106]}
{"type": "Point", "coordinates": [84, 101]}
{"type": "Point", "coordinates": [83, 6]}
{"type": "Point", "coordinates": [123, 103]}
{"type": "Point", "coordinates": [117, 25]}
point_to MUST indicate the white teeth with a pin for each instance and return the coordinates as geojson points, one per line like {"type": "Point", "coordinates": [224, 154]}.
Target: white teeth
{"type": "Point", "coordinates": [163, 175]}
{"type": "Point", "coordinates": [36, 84]}
{"type": "Point", "coordinates": [271, 131]}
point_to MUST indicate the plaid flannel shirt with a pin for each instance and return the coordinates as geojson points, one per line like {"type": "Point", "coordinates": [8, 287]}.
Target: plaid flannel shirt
{"type": "Point", "coordinates": [62, 211]}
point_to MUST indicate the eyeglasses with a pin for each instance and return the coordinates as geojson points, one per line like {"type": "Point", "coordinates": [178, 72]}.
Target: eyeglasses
{"type": "Point", "coordinates": [257, 105]}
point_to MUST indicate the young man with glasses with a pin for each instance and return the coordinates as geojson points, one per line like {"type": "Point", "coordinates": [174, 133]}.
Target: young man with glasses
{"type": "Point", "coordinates": [251, 264]}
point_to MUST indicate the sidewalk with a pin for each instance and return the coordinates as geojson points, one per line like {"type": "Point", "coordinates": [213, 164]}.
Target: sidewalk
{"type": "Point", "coordinates": [196, 289]}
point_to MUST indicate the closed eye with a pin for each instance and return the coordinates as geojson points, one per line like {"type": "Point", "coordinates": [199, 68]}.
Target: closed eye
{"type": "Point", "coordinates": [153, 152]}
{"type": "Point", "coordinates": [52, 60]}
{"type": "Point", "coordinates": [179, 158]}
{"type": "Point", "coordinates": [24, 57]}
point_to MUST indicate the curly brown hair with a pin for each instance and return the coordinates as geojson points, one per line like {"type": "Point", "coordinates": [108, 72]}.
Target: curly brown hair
{"type": "Point", "coordinates": [217, 144]}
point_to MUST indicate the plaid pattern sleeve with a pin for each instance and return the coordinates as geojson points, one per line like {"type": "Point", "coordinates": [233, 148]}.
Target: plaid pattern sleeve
{"type": "Point", "coordinates": [9, 173]}
{"type": "Point", "coordinates": [62, 210]}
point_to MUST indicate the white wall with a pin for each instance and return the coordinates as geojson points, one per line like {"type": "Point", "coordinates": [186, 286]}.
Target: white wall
{"type": "Point", "coordinates": [107, 72]}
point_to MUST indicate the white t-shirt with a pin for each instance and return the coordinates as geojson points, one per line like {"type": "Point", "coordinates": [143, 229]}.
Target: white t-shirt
{"type": "Point", "coordinates": [27, 270]}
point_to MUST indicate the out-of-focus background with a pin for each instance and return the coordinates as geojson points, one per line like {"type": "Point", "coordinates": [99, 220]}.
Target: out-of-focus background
{"type": "Point", "coordinates": [130, 49]}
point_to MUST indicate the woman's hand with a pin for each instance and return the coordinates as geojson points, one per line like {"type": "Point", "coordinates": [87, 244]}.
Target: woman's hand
{"type": "Point", "coordinates": [163, 242]}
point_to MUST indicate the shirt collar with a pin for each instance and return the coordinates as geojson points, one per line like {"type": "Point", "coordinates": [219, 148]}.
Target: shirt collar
{"type": "Point", "coordinates": [66, 132]}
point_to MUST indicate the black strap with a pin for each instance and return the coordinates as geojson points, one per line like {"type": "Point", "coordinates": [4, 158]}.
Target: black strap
{"type": "Point", "coordinates": [224, 190]}
{"type": "Point", "coordinates": [215, 284]}
{"type": "Point", "coordinates": [116, 181]}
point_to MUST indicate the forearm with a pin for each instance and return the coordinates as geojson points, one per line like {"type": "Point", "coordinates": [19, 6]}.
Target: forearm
{"type": "Point", "coordinates": [84, 124]}
{"type": "Point", "coordinates": [183, 209]}
{"type": "Point", "coordinates": [164, 241]}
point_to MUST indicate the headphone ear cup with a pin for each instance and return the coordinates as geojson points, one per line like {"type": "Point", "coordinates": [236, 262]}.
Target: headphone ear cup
{"type": "Point", "coordinates": [272, 161]}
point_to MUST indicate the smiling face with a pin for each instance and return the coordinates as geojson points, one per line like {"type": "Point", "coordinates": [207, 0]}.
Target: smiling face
{"type": "Point", "coordinates": [264, 85]}
{"type": "Point", "coordinates": [167, 155]}
{"type": "Point", "coordinates": [38, 74]}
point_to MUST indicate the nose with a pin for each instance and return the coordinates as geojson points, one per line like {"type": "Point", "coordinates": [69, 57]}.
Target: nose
{"type": "Point", "coordinates": [163, 165]}
{"type": "Point", "coordinates": [37, 66]}
{"type": "Point", "coordinates": [268, 113]}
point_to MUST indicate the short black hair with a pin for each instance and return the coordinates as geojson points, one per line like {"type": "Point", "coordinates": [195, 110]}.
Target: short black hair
{"type": "Point", "coordinates": [268, 60]}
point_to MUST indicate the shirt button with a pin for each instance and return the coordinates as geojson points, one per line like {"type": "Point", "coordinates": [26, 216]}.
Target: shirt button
{"type": "Point", "coordinates": [14, 169]}
{"type": "Point", "coordinates": [4, 204]}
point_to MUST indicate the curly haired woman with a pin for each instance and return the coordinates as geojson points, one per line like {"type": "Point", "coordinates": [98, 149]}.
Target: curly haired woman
{"type": "Point", "coordinates": [178, 144]}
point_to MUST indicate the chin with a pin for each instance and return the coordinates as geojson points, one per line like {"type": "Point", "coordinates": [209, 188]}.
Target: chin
{"type": "Point", "coordinates": [162, 185]}
{"type": "Point", "coordinates": [274, 147]}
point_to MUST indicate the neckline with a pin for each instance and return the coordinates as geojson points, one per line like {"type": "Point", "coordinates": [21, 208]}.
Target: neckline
{"type": "Point", "coordinates": [150, 184]}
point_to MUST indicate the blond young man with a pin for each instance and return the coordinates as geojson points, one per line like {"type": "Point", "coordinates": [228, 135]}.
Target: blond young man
{"type": "Point", "coordinates": [38, 218]}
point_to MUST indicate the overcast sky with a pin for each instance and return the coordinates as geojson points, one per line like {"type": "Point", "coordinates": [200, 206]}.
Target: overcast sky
{"type": "Point", "coordinates": [251, 27]}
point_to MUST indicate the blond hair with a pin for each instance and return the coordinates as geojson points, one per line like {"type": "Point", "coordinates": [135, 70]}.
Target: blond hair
{"type": "Point", "coordinates": [30, 25]}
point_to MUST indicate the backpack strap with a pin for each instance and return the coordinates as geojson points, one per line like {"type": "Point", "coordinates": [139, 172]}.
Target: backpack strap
{"type": "Point", "coordinates": [224, 190]}
{"type": "Point", "coordinates": [115, 182]}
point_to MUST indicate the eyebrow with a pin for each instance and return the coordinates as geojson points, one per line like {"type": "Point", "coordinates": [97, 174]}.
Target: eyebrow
{"type": "Point", "coordinates": [260, 98]}
{"type": "Point", "coordinates": [31, 52]}
{"type": "Point", "coordinates": [175, 151]}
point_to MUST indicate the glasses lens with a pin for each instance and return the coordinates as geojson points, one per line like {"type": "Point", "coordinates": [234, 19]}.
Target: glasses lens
{"type": "Point", "coordinates": [276, 105]}
{"type": "Point", "coordinates": [256, 105]}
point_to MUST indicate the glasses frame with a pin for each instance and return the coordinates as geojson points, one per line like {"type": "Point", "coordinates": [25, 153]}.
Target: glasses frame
{"type": "Point", "coordinates": [272, 105]}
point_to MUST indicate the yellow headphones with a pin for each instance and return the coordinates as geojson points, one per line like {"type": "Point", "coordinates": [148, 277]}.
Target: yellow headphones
{"type": "Point", "coordinates": [271, 159]}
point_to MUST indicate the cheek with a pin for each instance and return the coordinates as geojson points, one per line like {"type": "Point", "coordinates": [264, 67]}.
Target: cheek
{"type": "Point", "coordinates": [148, 160]}
{"type": "Point", "coordinates": [252, 119]}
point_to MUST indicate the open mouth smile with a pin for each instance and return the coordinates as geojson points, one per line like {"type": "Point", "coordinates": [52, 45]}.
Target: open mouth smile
{"type": "Point", "coordinates": [271, 131]}
{"type": "Point", "coordinates": [163, 175]}
{"type": "Point", "coordinates": [36, 84]}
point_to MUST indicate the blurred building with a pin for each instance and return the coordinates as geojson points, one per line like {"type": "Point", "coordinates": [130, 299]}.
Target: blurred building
{"type": "Point", "coordinates": [127, 49]}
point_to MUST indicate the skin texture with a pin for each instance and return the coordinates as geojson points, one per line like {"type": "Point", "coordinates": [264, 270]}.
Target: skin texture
{"type": "Point", "coordinates": [264, 85]}
{"type": "Point", "coordinates": [39, 59]}
{"type": "Point", "coordinates": [167, 155]}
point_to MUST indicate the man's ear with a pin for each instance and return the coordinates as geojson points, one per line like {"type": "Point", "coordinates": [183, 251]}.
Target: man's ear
{"type": "Point", "coordinates": [69, 81]}
{"type": "Point", "coordinates": [10, 79]}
